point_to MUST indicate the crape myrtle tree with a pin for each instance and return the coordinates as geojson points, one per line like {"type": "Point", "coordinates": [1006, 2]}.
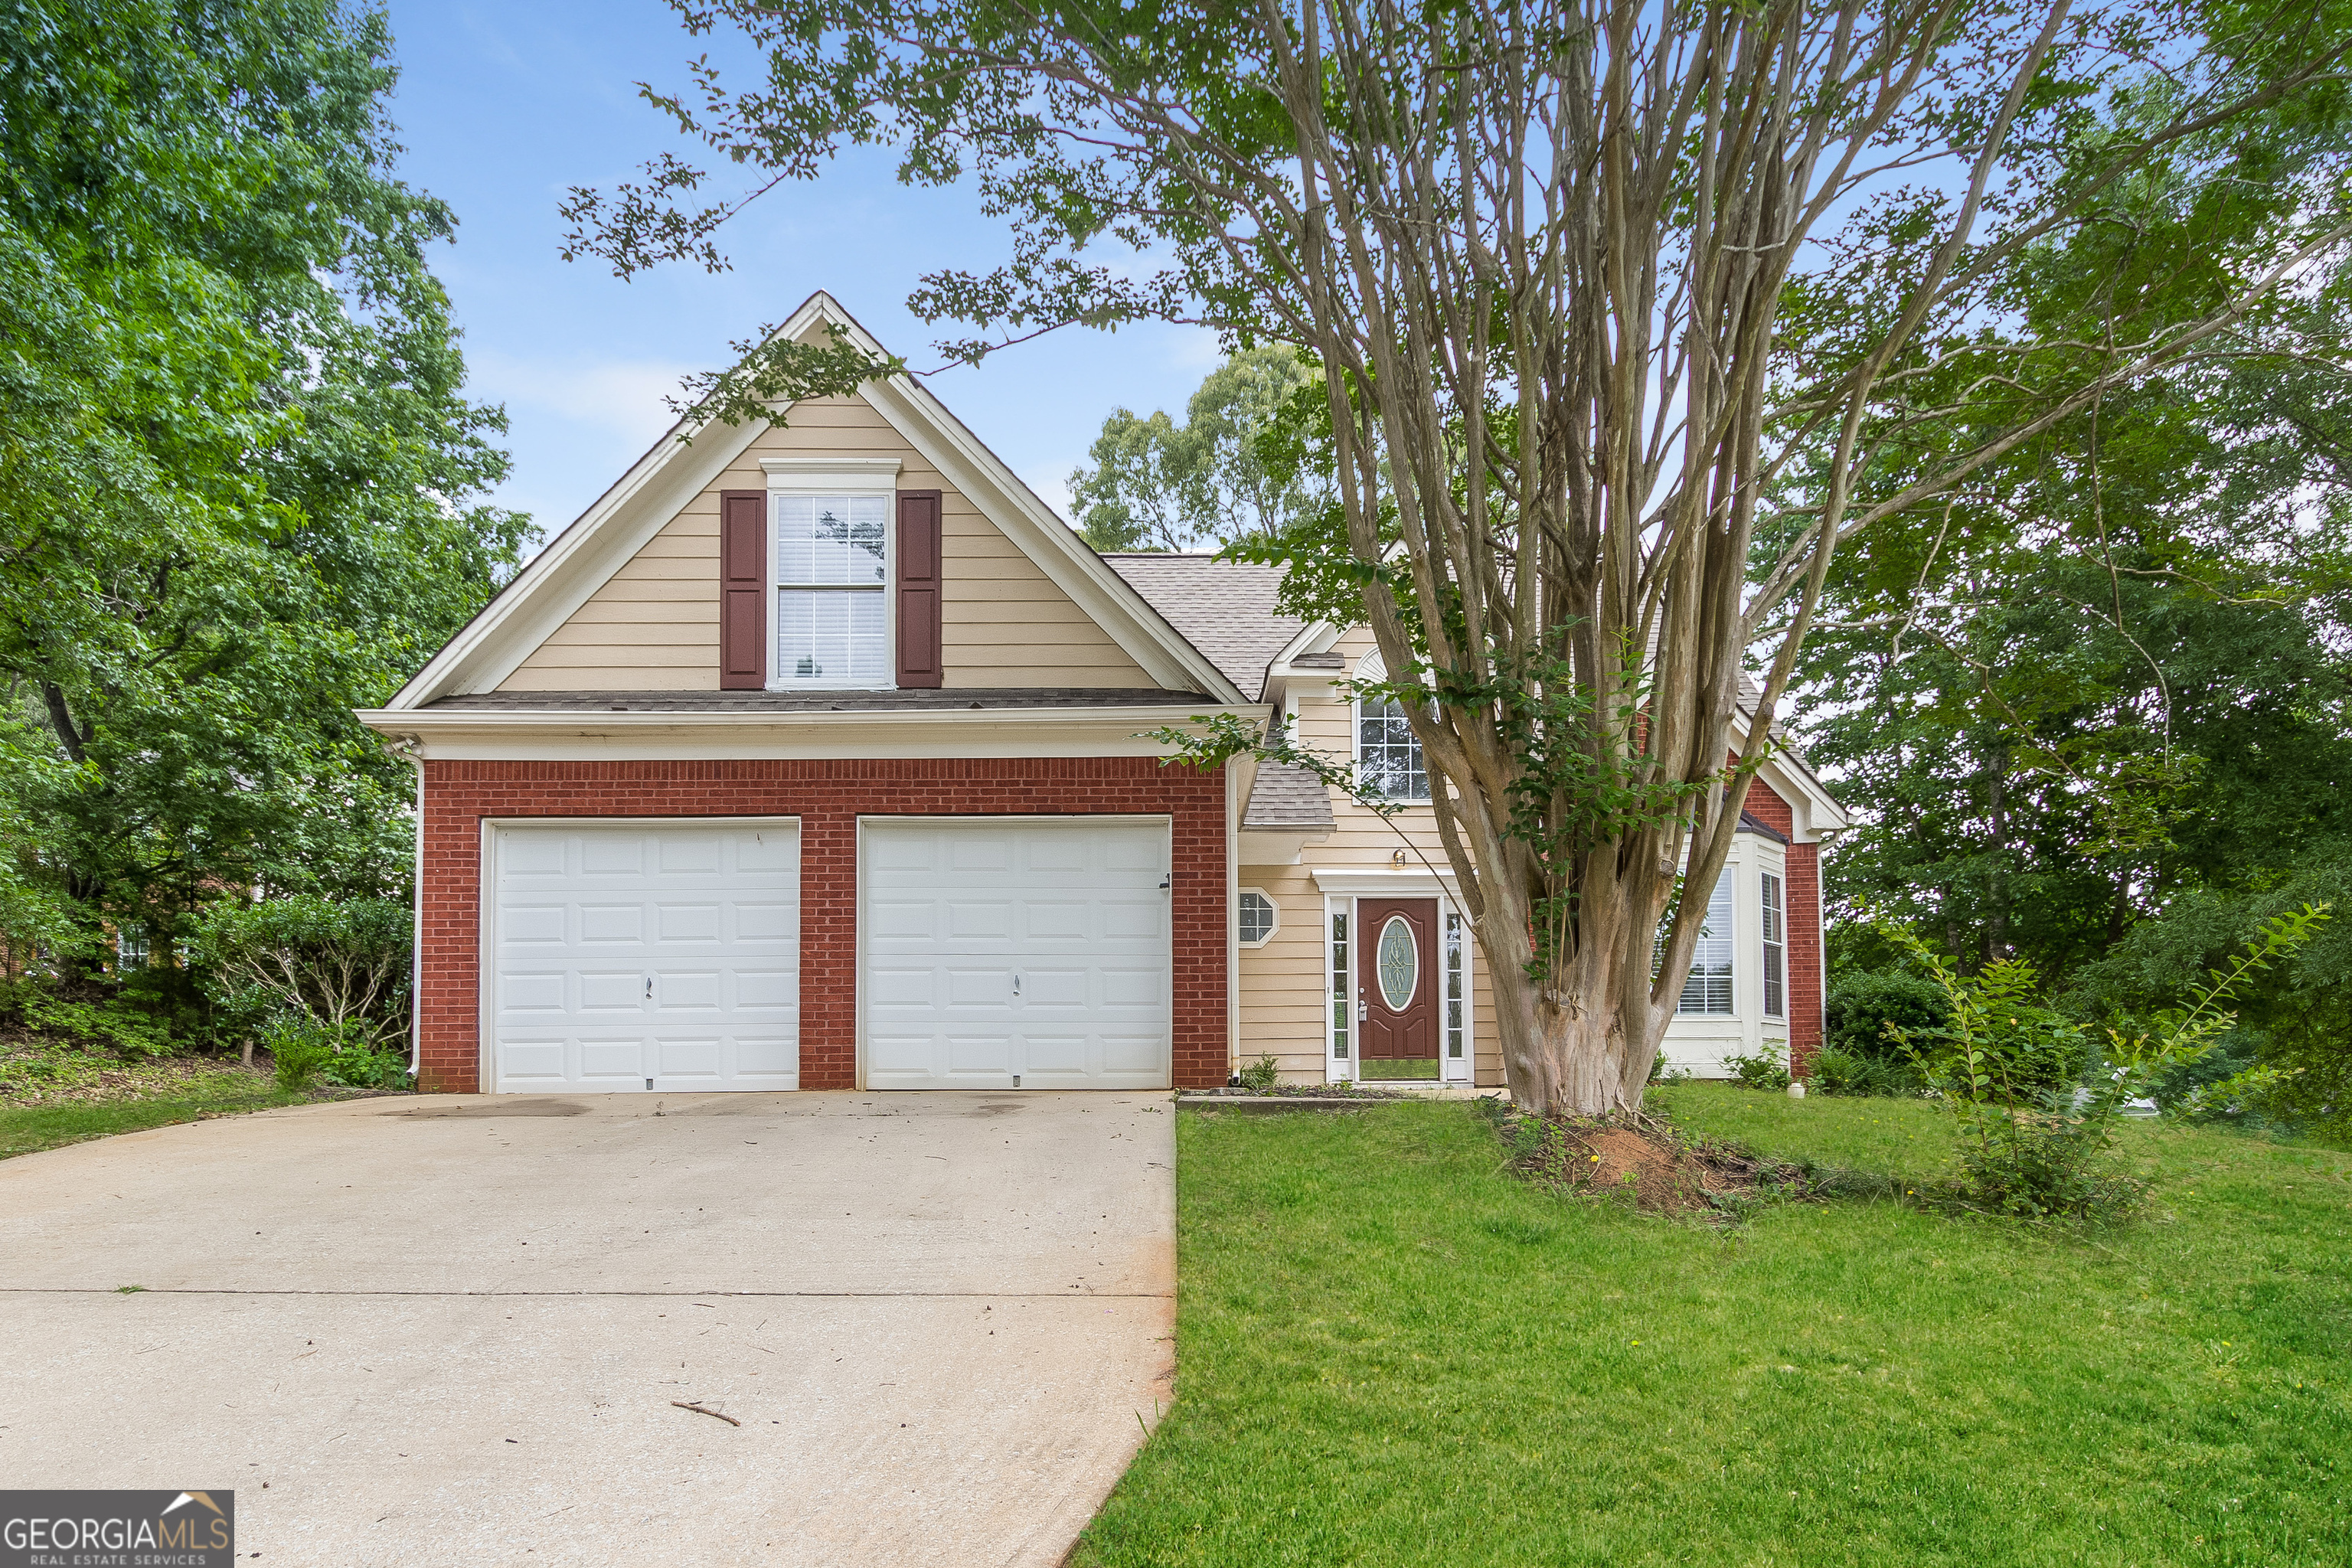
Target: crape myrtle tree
{"type": "Point", "coordinates": [1629, 316]}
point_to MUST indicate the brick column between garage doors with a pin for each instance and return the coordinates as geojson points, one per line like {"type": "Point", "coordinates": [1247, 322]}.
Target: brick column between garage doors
{"type": "Point", "coordinates": [828, 797]}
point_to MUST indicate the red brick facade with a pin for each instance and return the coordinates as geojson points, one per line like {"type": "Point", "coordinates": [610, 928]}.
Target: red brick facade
{"type": "Point", "coordinates": [1804, 916]}
{"type": "Point", "coordinates": [828, 797]}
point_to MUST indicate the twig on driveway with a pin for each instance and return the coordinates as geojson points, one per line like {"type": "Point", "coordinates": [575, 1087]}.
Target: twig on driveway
{"type": "Point", "coordinates": [705, 1410]}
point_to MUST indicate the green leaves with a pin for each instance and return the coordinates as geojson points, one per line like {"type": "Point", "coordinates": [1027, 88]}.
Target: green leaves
{"type": "Point", "coordinates": [237, 469]}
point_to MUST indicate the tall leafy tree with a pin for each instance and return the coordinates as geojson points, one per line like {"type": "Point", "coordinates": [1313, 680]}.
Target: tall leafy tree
{"type": "Point", "coordinates": [1158, 485]}
{"type": "Point", "coordinates": [238, 471]}
{"type": "Point", "coordinates": [1606, 296]}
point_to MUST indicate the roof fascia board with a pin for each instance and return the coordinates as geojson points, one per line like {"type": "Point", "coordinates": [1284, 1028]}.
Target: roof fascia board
{"type": "Point", "coordinates": [818, 736]}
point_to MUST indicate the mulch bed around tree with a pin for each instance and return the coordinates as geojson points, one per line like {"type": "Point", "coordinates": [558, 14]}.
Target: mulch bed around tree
{"type": "Point", "coordinates": [1640, 1159]}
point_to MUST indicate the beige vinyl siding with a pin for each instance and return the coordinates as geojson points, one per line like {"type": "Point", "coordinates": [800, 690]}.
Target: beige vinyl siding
{"type": "Point", "coordinates": [653, 625]}
{"type": "Point", "coordinates": [1359, 839]}
{"type": "Point", "coordinates": [1282, 984]}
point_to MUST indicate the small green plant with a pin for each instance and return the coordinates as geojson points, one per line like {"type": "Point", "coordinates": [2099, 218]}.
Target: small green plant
{"type": "Point", "coordinates": [1768, 1069]}
{"type": "Point", "coordinates": [299, 1047]}
{"type": "Point", "coordinates": [97, 1023]}
{"type": "Point", "coordinates": [1834, 1071]}
{"type": "Point", "coordinates": [1260, 1075]}
{"type": "Point", "coordinates": [357, 1066]}
{"type": "Point", "coordinates": [2035, 1151]}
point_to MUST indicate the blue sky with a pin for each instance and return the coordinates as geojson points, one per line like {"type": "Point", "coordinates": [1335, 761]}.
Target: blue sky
{"type": "Point", "coordinates": [504, 107]}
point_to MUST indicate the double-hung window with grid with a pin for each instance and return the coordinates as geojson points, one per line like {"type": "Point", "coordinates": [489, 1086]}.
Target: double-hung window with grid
{"type": "Point", "coordinates": [832, 573]}
{"type": "Point", "coordinates": [1776, 987]}
{"type": "Point", "coordinates": [1388, 753]}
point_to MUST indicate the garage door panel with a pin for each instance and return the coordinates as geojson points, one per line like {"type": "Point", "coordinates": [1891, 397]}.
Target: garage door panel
{"type": "Point", "coordinates": [591, 926]}
{"type": "Point", "coordinates": [983, 920]}
{"type": "Point", "coordinates": [529, 991]}
{"type": "Point", "coordinates": [688, 854]}
{"type": "Point", "coordinates": [966, 989]}
{"type": "Point", "coordinates": [978, 1052]}
{"type": "Point", "coordinates": [757, 920]}
{"type": "Point", "coordinates": [990, 850]}
{"type": "Point", "coordinates": [1060, 852]}
{"type": "Point", "coordinates": [688, 990]}
{"type": "Point", "coordinates": [773, 1060]}
{"type": "Point", "coordinates": [617, 852]}
{"type": "Point", "coordinates": [612, 1059]}
{"type": "Point", "coordinates": [953, 914]}
{"type": "Point", "coordinates": [767, 851]}
{"type": "Point", "coordinates": [1131, 1054]}
{"type": "Point", "coordinates": [609, 991]}
{"type": "Point", "coordinates": [902, 986]}
{"type": "Point", "coordinates": [766, 990]}
{"type": "Point", "coordinates": [535, 925]}
{"type": "Point", "coordinates": [686, 1055]}
{"type": "Point", "coordinates": [610, 925]}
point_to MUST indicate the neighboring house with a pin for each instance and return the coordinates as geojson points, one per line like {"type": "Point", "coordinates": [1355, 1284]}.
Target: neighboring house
{"type": "Point", "coordinates": [816, 756]}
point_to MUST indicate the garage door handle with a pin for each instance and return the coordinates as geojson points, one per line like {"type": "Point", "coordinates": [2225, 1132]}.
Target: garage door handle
{"type": "Point", "coordinates": [649, 987]}
{"type": "Point", "coordinates": [1016, 986]}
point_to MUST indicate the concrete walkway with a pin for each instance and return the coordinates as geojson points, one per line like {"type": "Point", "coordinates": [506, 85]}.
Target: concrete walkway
{"type": "Point", "coordinates": [451, 1329]}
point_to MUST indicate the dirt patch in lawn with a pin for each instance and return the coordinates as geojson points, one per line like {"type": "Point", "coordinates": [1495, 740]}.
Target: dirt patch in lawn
{"type": "Point", "coordinates": [1640, 1159]}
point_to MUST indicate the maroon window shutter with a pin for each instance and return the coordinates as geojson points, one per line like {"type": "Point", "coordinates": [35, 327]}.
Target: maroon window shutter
{"type": "Point", "coordinates": [742, 590]}
{"type": "Point", "coordinates": [920, 662]}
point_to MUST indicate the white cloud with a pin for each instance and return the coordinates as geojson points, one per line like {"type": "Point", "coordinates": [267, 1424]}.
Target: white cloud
{"type": "Point", "coordinates": [607, 398]}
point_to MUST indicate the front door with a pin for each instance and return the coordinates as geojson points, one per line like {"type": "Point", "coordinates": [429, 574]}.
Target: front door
{"type": "Point", "coordinates": [1397, 982]}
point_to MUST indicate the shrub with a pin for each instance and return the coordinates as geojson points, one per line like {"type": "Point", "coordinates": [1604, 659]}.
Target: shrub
{"type": "Point", "coordinates": [1766, 1070]}
{"type": "Point", "coordinates": [342, 964]}
{"type": "Point", "coordinates": [1861, 1006]}
{"type": "Point", "coordinates": [1260, 1075]}
{"type": "Point", "coordinates": [1833, 1072]}
{"type": "Point", "coordinates": [2033, 1151]}
{"type": "Point", "coordinates": [358, 1067]}
{"type": "Point", "coordinates": [103, 1023]}
{"type": "Point", "coordinates": [298, 1049]}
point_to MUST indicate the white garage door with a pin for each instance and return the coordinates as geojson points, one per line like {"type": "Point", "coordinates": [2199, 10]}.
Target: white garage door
{"type": "Point", "coordinates": [1029, 954]}
{"type": "Point", "coordinates": [645, 956]}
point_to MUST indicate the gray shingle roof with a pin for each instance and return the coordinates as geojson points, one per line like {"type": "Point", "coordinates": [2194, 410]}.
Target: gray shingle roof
{"type": "Point", "coordinates": [1288, 798]}
{"type": "Point", "coordinates": [813, 702]}
{"type": "Point", "coordinates": [1224, 608]}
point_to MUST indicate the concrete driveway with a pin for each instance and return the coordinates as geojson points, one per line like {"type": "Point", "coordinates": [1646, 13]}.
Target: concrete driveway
{"type": "Point", "coordinates": [452, 1330]}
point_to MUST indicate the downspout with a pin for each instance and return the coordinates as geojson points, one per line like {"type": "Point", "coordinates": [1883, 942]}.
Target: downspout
{"type": "Point", "coordinates": [412, 747]}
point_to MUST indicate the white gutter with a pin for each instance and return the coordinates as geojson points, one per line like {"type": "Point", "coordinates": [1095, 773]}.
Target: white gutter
{"type": "Point", "coordinates": [420, 721]}
{"type": "Point", "coordinates": [408, 749]}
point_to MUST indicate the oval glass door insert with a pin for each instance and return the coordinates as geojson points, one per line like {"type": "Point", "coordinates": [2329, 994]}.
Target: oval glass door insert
{"type": "Point", "coordinates": [1399, 964]}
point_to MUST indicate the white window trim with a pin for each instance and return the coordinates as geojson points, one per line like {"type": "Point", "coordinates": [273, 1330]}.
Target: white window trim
{"type": "Point", "coordinates": [834, 476]}
{"type": "Point", "coordinates": [1372, 666]}
{"type": "Point", "coordinates": [1699, 1042]}
{"type": "Point", "coordinates": [1764, 1009]}
{"type": "Point", "coordinates": [1273, 904]}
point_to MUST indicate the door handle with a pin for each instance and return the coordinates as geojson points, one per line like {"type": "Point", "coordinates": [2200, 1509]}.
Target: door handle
{"type": "Point", "coordinates": [1016, 986]}
{"type": "Point", "coordinates": [649, 987]}
{"type": "Point", "coordinates": [1363, 1011]}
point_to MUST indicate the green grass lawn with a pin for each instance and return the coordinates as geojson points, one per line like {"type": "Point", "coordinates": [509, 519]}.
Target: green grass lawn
{"type": "Point", "coordinates": [25, 1129]}
{"type": "Point", "coordinates": [1391, 1352]}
